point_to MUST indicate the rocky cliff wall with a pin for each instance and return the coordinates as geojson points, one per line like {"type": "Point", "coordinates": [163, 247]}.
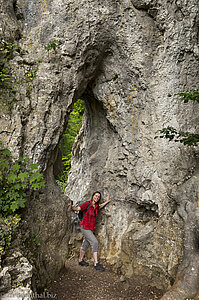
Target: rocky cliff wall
{"type": "Point", "coordinates": [123, 58]}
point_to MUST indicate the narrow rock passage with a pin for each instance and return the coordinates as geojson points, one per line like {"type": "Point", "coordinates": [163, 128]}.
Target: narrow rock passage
{"type": "Point", "coordinates": [77, 283]}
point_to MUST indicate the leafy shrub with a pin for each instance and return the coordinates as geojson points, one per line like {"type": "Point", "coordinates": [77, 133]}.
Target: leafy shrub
{"type": "Point", "coordinates": [6, 50]}
{"type": "Point", "coordinates": [6, 54]}
{"type": "Point", "coordinates": [186, 138]}
{"type": "Point", "coordinates": [188, 95]}
{"type": "Point", "coordinates": [67, 141]}
{"type": "Point", "coordinates": [8, 226]}
{"type": "Point", "coordinates": [170, 133]}
{"type": "Point", "coordinates": [16, 178]}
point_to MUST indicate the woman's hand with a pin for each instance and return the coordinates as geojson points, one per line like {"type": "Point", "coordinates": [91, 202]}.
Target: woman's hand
{"type": "Point", "coordinates": [106, 202]}
{"type": "Point", "coordinates": [76, 208]}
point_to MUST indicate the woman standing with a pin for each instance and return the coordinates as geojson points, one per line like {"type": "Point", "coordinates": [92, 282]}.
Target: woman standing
{"type": "Point", "coordinates": [87, 225]}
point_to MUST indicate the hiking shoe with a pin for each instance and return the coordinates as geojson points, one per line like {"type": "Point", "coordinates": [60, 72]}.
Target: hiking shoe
{"type": "Point", "coordinates": [99, 267]}
{"type": "Point", "coordinates": [83, 263]}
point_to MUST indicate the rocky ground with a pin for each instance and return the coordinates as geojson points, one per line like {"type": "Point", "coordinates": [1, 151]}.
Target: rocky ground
{"type": "Point", "coordinates": [76, 282]}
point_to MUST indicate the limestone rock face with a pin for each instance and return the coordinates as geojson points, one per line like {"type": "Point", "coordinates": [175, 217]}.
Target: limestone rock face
{"type": "Point", "coordinates": [16, 277]}
{"type": "Point", "coordinates": [123, 58]}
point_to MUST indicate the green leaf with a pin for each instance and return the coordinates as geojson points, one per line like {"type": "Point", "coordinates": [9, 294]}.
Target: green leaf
{"type": "Point", "coordinates": [188, 95]}
{"type": "Point", "coordinates": [22, 202]}
{"type": "Point", "coordinates": [23, 160]}
{"type": "Point", "coordinates": [4, 166]}
{"type": "Point", "coordinates": [34, 166]}
{"type": "Point", "coordinates": [12, 195]}
{"type": "Point", "coordinates": [36, 186]}
{"type": "Point", "coordinates": [17, 186]}
{"type": "Point", "coordinates": [11, 178]}
{"type": "Point", "coordinates": [36, 177]}
{"type": "Point", "coordinates": [20, 159]}
{"type": "Point", "coordinates": [5, 152]}
{"type": "Point", "coordinates": [16, 167]}
{"type": "Point", "coordinates": [22, 176]}
{"type": "Point", "coordinates": [14, 206]}
{"type": "Point", "coordinates": [186, 138]}
{"type": "Point", "coordinates": [23, 185]}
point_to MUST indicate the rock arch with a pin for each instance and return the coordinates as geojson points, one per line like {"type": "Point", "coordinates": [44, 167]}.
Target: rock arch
{"type": "Point", "coordinates": [124, 57]}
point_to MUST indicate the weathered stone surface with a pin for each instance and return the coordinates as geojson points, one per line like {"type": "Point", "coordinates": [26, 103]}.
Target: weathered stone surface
{"type": "Point", "coordinates": [123, 58]}
{"type": "Point", "coordinates": [186, 285]}
{"type": "Point", "coordinates": [15, 277]}
{"type": "Point", "coordinates": [5, 278]}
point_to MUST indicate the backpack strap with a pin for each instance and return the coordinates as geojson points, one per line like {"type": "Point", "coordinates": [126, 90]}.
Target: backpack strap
{"type": "Point", "coordinates": [85, 211]}
{"type": "Point", "coordinates": [89, 204]}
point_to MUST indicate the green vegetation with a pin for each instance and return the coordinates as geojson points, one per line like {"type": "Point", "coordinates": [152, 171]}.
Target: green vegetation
{"type": "Point", "coordinates": [170, 133]}
{"type": "Point", "coordinates": [188, 95]}
{"type": "Point", "coordinates": [8, 78]}
{"type": "Point", "coordinates": [36, 240]}
{"type": "Point", "coordinates": [6, 52]}
{"type": "Point", "coordinates": [18, 283]}
{"type": "Point", "coordinates": [8, 226]}
{"type": "Point", "coordinates": [31, 74]}
{"type": "Point", "coordinates": [16, 178]}
{"type": "Point", "coordinates": [66, 144]}
{"type": "Point", "coordinates": [186, 138]}
{"type": "Point", "coordinates": [52, 45]}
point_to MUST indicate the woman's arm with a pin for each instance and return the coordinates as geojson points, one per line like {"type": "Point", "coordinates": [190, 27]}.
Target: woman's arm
{"type": "Point", "coordinates": [106, 202]}
{"type": "Point", "coordinates": [76, 208]}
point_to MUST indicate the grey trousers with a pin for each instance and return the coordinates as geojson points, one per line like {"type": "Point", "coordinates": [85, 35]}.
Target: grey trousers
{"type": "Point", "coordinates": [89, 239]}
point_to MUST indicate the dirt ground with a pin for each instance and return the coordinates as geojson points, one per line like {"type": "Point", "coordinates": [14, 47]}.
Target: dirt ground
{"type": "Point", "coordinates": [77, 283]}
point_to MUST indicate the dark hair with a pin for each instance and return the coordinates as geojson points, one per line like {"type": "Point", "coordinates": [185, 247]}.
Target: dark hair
{"type": "Point", "coordinates": [99, 198]}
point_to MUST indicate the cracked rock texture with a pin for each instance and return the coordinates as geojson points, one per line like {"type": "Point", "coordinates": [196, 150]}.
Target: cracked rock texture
{"type": "Point", "coordinates": [123, 58]}
{"type": "Point", "coordinates": [16, 277]}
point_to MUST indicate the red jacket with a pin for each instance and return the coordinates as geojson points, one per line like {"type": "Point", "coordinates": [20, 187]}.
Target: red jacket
{"type": "Point", "coordinates": [89, 218]}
